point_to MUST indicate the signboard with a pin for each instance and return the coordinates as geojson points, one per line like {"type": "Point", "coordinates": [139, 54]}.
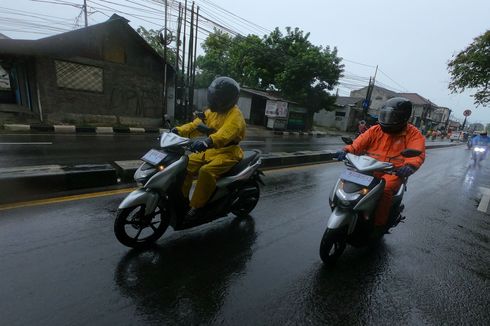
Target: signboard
{"type": "Point", "coordinates": [276, 109]}
{"type": "Point", "coordinates": [365, 104]}
{"type": "Point", "coordinates": [467, 113]}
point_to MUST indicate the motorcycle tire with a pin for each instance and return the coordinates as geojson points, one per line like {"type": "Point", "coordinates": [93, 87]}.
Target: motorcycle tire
{"type": "Point", "coordinates": [247, 204]}
{"type": "Point", "coordinates": [132, 220]}
{"type": "Point", "coordinates": [332, 245]}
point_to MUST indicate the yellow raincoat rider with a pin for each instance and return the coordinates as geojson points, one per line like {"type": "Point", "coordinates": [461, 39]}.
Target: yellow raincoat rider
{"type": "Point", "coordinates": [218, 153]}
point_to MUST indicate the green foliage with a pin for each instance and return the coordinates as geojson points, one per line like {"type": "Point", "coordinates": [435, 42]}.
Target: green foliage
{"type": "Point", "coordinates": [152, 37]}
{"type": "Point", "coordinates": [285, 63]}
{"type": "Point", "coordinates": [471, 69]}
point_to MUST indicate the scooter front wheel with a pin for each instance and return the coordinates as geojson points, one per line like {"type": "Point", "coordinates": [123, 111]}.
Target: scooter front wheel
{"type": "Point", "coordinates": [332, 245]}
{"type": "Point", "coordinates": [135, 229]}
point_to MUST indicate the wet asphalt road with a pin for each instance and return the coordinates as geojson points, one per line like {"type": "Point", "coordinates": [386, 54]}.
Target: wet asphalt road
{"type": "Point", "coordinates": [40, 149]}
{"type": "Point", "coordinates": [61, 265]}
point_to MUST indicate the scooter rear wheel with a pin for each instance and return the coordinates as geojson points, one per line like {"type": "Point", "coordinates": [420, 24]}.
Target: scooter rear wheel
{"type": "Point", "coordinates": [133, 229]}
{"type": "Point", "coordinates": [247, 203]}
{"type": "Point", "coordinates": [332, 245]}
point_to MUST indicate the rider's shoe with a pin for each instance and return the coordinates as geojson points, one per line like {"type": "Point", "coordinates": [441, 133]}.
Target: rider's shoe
{"type": "Point", "coordinates": [193, 215]}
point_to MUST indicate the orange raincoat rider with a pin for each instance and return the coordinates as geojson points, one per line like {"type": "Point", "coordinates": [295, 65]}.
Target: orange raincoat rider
{"type": "Point", "coordinates": [384, 142]}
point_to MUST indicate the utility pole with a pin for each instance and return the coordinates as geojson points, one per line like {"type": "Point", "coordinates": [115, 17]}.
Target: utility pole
{"type": "Point", "coordinates": [195, 57]}
{"type": "Point", "coordinates": [176, 76]}
{"type": "Point", "coordinates": [164, 107]}
{"type": "Point", "coordinates": [189, 61]}
{"type": "Point", "coordinates": [366, 104]}
{"type": "Point", "coordinates": [85, 12]}
{"type": "Point", "coordinates": [183, 89]}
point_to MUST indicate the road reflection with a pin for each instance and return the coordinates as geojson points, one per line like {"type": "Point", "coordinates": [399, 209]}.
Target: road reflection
{"type": "Point", "coordinates": [186, 280]}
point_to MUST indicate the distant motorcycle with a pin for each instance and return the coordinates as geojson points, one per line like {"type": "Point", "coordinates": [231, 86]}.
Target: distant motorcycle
{"type": "Point", "coordinates": [353, 202]}
{"type": "Point", "coordinates": [478, 154]}
{"type": "Point", "coordinates": [145, 214]}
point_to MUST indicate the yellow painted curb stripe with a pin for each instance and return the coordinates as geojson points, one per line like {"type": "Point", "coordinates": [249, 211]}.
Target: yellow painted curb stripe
{"type": "Point", "coordinates": [64, 199]}
{"type": "Point", "coordinates": [40, 202]}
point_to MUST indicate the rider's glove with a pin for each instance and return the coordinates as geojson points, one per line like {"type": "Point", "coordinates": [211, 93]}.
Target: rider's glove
{"type": "Point", "coordinates": [405, 171]}
{"type": "Point", "coordinates": [340, 155]}
{"type": "Point", "coordinates": [201, 145]}
{"type": "Point", "coordinates": [174, 130]}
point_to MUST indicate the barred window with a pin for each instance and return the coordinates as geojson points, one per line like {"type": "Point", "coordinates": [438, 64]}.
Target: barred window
{"type": "Point", "coordinates": [79, 76]}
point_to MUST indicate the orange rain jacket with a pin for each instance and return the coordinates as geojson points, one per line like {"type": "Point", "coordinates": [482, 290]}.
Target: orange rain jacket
{"type": "Point", "coordinates": [383, 146]}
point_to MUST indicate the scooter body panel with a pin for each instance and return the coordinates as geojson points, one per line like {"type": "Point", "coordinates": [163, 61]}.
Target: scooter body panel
{"type": "Point", "coordinates": [149, 199]}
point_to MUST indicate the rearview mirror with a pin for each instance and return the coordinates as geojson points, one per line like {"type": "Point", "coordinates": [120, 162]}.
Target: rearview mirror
{"type": "Point", "coordinates": [410, 152]}
{"type": "Point", "coordinates": [347, 140]}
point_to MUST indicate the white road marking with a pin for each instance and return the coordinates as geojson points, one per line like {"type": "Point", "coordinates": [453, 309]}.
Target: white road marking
{"type": "Point", "coordinates": [485, 199]}
{"type": "Point", "coordinates": [32, 143]}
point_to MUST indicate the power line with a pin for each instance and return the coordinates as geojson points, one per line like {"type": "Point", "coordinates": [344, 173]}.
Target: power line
{"type": "Point", "coordinates": [381, 71]}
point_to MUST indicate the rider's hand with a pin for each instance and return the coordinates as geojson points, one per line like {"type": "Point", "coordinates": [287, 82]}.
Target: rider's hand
{"type": "Point", "coordinates": [174, 131]}
{"type": "Point", "coordinates": [340, 155]}
{"type": "Point", "coordinates": [405, 171]}
{"type": "Point", "coordinates": [201, 145]}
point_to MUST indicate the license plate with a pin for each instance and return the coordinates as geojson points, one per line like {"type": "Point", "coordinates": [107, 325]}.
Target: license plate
{"type": "Point", "coordinates": [154, 157]}
{"type": "Point", "coordinates": [356, 177]}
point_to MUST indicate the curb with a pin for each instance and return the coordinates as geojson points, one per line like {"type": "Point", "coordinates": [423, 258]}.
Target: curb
{"type": "Point", "coordinates": [45, 181]}
{"type": "Point", "coordinates": [301, 133]}
{"type": "Point", "coordinates": [125, 130]}
{"type": "Point", "coordinates": [32, 182]}
{"type": "Point", "coordinates": [72, 129]}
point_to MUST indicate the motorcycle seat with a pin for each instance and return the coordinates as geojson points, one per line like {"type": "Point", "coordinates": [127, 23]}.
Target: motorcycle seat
{"type": "Point", "coordinates": [248, 157]}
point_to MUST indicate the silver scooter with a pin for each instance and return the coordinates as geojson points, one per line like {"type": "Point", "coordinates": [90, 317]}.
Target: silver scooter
{"type": "Point", "coordinates": [145, 214]}
{"type": "Point", "coordinates": [353, 201]}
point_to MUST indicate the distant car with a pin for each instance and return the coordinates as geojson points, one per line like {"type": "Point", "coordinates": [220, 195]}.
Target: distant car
{"type": "Point", "coordinates": [456, 135]}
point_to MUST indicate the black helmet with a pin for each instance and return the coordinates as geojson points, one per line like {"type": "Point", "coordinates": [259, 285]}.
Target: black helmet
{"type": "Point", "coordinates": [223, 94]}
{"type": "Point", "coordinates": [394, 114]}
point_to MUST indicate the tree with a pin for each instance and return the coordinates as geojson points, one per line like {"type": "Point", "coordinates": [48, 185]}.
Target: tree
{"type": "Point", "coordinates": [216, 62]}
{"type": "Point", "coordinates": [152, 37]}
{"type": "Point", "coordinates": [471, 69]}
{"type": "Point", "coordinates": [286, 63]}
{"type": "Point", "coordinates": [302, 71]}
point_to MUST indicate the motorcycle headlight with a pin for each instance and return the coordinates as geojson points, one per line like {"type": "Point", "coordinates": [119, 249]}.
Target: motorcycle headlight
{"type": "Point", "coordinates": [346, 198]}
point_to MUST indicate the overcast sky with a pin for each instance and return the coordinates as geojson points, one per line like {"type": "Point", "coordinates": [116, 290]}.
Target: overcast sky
{"type": "Point", "coordinates": [411, 41]}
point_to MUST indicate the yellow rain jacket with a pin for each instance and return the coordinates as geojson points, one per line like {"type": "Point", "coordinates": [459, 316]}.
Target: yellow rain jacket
{"type": "Point", "coordinates": [230, 130]}
{"type": "Point", "coordinates": [216, 161]}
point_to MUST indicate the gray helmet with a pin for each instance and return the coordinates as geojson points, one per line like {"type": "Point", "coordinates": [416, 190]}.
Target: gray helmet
{"type": "Point", "coordinates": [223, 94]}
{"type": "Point", "coordinates": [394, 114]}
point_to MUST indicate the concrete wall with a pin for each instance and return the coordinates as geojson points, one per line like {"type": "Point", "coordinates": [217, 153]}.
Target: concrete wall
{"type": "Point", "coordinates": [378, 97]}
{"type": "Point", "coordinates": [334, 119]}
{"type": "Point", "coordinates": [130, 96]}
{"type": "Point", "coordinates": [132, 92]}
{"type": "Point", "coordinates": [245, 104]}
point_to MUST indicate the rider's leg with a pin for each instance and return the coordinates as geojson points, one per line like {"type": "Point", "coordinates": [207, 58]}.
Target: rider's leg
{"type": "Point", "coordinates": [206, 181]}
{"type": "Point", "coordinates": [196, 160]}
{"type": "Point", "coordinates": [392, 185]}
